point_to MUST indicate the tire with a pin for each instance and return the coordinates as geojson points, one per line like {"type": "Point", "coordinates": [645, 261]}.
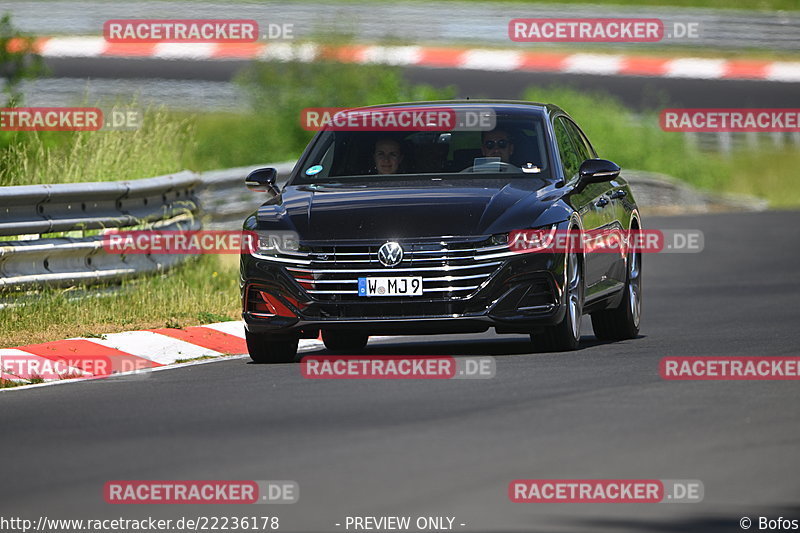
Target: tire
{"type": "Point", "coordinates": [264, 348]}
{"type": "Point", "coordinates": [344, 341]}
{"type": "Point", "coordinates": [566, 335]}
{"type": "Point", "coordinates": [622, 322]}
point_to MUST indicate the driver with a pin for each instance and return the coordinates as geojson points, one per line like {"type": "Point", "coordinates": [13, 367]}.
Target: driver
{"type": "Point", "coordinates": [497, 143]}
{"type": "Point", "coordinates": [387, 156]}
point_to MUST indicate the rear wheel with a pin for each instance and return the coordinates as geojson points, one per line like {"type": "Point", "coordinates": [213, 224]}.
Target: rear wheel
{"type": "Point", "coordinates": [265, 348]}
{"type": "Point", "coordinates": [623, 322]}
{"type": "Point", "coordinates": [566, 335]}
{"type": "Point", "coordinates": [344, 341]}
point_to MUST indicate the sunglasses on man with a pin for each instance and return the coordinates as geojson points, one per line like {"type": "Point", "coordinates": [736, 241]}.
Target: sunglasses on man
{"type": "Point", "coordinates": [502, 143]}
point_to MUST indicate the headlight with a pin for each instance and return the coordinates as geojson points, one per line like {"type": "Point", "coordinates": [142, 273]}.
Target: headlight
{"type": "Point", "coordinates": [276, 242]}
{"type": "Point", "coordinates": [532, 240]}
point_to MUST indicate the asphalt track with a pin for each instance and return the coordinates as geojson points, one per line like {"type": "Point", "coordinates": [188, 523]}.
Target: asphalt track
{"type": "Point", "coordinates": [635, 92]}
{"type": "Point", "coordinates": [450, 448]}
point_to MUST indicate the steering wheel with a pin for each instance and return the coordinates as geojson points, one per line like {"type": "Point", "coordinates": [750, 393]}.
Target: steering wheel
{"type": "Point", "coordinates": [501, 167]}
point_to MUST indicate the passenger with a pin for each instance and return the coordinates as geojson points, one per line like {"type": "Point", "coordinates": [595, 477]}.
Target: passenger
{"type": "Point", "coordinates": [388, 155]}
{"type": "Point", "coordinates": [497, 143]}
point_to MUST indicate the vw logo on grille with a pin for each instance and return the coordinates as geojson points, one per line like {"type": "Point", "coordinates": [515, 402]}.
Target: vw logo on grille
{"type": "Point", "coordinates": [390, 254]}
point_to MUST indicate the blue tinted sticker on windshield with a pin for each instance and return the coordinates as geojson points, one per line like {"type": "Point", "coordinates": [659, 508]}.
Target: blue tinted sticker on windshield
{"type": "Point", "coordinates": [316, 169]}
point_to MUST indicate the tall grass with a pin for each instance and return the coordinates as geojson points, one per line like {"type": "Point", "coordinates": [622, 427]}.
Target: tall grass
{"type": "Point", "coordinates": [158, 147]}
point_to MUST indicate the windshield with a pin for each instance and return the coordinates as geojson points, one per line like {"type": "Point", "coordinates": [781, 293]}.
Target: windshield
{"type": "Point", "coordinates": [515, 147]}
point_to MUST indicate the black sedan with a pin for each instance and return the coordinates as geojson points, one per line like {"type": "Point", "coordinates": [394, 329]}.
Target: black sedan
{"type": "Point", "coordinates": [415, 229]}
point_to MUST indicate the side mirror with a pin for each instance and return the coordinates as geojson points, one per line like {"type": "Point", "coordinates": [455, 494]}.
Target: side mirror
{"type": "Point", "coordinates": [263, 180]}
{"type": "Point", "coordinates": [596, 170]}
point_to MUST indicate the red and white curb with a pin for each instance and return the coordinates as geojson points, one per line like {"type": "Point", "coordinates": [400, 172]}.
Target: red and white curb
{"type": "Point", "coordinates": [436, 57]}
{"type": "Point", "coordinates": [148, 350]}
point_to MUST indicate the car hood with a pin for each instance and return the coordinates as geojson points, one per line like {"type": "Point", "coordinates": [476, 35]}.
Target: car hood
{"type": "Point", "coordinates": [410, 209]}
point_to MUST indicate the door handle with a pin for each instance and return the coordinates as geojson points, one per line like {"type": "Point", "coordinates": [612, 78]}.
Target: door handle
{"type": "Point", "coordinates": [602, 202]}
{"type": "Point", "coordinates": [618, 194]}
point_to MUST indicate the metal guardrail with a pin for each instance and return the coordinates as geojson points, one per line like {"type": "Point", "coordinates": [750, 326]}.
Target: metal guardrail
{"type": "Point", "coordinates": [660, 194]}
{"type": "Point", "coordinates": [48, 223]}
{"type": "Point", "coordinates": [728, 143]}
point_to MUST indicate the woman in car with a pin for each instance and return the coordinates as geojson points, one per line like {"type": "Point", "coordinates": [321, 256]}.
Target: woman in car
{"type": "Point", "coordinates": [387, 156]}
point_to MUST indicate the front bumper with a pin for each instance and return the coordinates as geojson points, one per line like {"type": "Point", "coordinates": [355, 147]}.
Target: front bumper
{"type": "Point", "coordinates": [523, 293]}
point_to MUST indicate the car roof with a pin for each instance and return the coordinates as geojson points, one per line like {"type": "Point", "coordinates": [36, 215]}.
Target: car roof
{"type": "Point", "coordinates": [499, 106]}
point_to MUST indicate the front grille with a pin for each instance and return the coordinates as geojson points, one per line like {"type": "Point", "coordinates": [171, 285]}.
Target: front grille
{"type": "Point", "coordinates": [449, 269]}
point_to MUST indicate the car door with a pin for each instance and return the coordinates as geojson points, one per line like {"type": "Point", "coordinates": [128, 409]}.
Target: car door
{"type": "Point", "coordinates": [614, 208]}
{"type": "Point", "coordinates": [589, 201]}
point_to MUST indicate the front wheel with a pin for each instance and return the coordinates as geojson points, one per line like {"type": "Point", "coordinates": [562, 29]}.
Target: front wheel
{"type": "Point", "coordinates": [265, 348]}
{"type": "Point", "coordinates": [623, 322]}
{"type": "Point", "coordinates": [566, 335]}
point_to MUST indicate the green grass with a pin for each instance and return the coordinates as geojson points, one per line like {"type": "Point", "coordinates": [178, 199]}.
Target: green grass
{"type": "Point", "coordinates": [8, 384]}
{"type": "Point", "coordinates": [28, 158]}
{"type": "Point", "coordinates": [769, 174]}
{"type": "Point", "coordinates": [193, 359]}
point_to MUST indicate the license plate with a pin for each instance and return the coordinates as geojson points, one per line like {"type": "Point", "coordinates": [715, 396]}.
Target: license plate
{"type": "Point", "coordinates": [397, 286]}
